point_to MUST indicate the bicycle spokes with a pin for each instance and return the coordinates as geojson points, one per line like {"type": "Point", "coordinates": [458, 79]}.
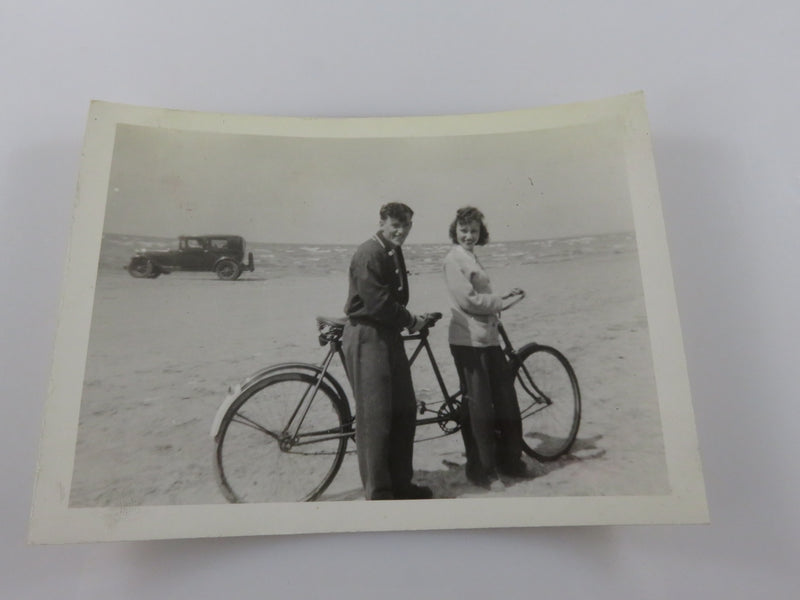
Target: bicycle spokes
{"type": "Point", "coordinates": [248, 422]}
{"type": "Point", "coordinates": [283, 440]}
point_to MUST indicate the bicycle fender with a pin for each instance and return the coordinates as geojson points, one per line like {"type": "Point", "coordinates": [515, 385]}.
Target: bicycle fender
{"type": "Point", "coordinates": [235, 392]}
{"type": "Point", "coordinates": [297, 366]}
{"type": "Point", "coordinates": [255, 378]}
{"type": "Point", "coordinates": [223, 408]}
{"type": "Point", "coordinates": [247, 382]}
{"type": "Point", "coordinates": [272, 369]}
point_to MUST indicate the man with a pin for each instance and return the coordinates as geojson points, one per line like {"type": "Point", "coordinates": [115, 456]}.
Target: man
{"type": "Point", "coordinates": [376, 361]}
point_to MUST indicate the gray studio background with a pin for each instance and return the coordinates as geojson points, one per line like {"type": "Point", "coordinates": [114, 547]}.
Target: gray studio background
{"type": "Point", "coordinates": [722, 91]}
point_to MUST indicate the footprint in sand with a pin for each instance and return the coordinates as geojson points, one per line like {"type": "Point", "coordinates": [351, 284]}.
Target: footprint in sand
{"type": "Point", "coordinates": [588, 453]}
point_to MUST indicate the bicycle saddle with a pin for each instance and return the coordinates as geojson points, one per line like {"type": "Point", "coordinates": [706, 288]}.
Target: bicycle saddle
{"type": "Point", "coordinates": [331, 322]}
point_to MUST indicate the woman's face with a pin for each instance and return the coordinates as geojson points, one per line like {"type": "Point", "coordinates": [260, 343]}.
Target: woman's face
{"type": "Point", "coordinates": [467, 234]}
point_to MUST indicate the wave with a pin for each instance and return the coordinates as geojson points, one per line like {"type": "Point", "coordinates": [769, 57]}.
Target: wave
{"type": "Point", "coordinates": [278, 260]}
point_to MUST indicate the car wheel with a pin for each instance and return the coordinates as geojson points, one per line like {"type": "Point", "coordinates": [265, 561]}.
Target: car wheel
{"type": "Point", "coordinates": [141, 267]}
{"type": "Point", "coordinates": [228, 270]}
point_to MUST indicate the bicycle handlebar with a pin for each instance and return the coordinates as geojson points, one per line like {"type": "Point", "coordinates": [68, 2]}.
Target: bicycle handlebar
{"type": "Point", "coordinates": [431, 318]}
{"type": "Point", "coordinates": [516, 295]}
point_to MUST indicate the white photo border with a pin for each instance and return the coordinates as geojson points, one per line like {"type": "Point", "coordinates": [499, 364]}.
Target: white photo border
{"type": "Point", "coordinates": [53, 521]}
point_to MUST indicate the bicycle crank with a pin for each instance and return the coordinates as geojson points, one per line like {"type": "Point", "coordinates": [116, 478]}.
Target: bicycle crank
{"type": "Point", "coordinates": [449, 417]}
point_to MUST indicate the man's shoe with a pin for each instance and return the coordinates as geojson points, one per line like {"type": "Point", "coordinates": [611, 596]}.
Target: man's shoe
{"type": "Point", "coordinates": [382, 495]}
{"type": "Point", "coordinates": [414, 492]}
{"type": "Point", "coordinates": [518, 470]}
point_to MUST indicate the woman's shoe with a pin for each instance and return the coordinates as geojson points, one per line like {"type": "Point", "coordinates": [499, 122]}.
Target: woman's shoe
{"type": "Point", "coordinates": [481, 482]}
{"type": "Point", "coordinates": [486, 481]}
{"type": "Point", "coordinates": [497, 486]}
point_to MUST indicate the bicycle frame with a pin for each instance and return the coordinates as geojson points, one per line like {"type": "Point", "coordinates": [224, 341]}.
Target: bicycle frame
{"type": "Point", "coordinates": [523, 375]}
{"type": "Point", "coordinates": [294, 437]}
{"type": "Point", "coordinates": [424, 345]}
{"type": "Point", "coordinates": [447, 398]}
{"type": "Point", "coordinates": [320, 373]}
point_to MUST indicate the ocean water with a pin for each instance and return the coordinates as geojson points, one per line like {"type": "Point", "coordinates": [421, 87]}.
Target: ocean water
{"type": "Point", "coordinates": [280, 260]}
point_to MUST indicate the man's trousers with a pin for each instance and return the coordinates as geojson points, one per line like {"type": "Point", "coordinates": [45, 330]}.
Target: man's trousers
{"type": "Point", "coordinates": [380, 376]}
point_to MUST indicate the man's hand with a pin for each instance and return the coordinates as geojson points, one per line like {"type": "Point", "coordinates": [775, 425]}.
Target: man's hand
{"type": "Point", "coordinates": [417, 323]}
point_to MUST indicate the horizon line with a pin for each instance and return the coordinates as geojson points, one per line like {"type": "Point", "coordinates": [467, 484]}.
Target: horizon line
{"type": "Point", "coordinates": [411, 243]}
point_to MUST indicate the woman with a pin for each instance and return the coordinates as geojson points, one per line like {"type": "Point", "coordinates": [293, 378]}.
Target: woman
{"type": "Point", "coordinates": [491, 427]}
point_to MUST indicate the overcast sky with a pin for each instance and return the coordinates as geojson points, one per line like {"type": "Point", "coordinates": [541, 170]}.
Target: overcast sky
{"type": "Point", "coordinates": [530, 185]}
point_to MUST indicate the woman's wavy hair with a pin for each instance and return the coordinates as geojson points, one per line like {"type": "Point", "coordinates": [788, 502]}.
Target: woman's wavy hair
{"type": "Point", "coordinates": [466, 215]}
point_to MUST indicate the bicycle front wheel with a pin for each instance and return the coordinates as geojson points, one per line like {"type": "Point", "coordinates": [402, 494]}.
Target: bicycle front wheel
{"type": "Point", "coordinates": [549, 400]}
{"type": "Point", "coordinates": [282, 440]}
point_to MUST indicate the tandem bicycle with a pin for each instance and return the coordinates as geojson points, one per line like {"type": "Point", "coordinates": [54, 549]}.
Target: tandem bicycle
{"type": "Point", "coordinates": [281, 434]}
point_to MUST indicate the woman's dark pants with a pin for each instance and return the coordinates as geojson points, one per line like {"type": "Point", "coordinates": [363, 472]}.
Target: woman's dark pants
{"type": "Point", "coordinates": [491, 428]}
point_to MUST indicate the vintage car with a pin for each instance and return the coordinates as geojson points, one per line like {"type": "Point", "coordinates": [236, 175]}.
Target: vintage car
{"type": "Point", "coordinates": [222, 254]}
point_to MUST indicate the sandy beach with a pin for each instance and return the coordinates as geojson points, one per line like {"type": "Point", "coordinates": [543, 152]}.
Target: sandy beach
{"type": "Point", "coordinates": [164, 352]}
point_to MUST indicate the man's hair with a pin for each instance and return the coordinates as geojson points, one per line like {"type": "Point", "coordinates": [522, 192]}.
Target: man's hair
{"type": "Point", "coordinates": [467, 215]}
{"type": "Point", "coordinates": [396, 210]}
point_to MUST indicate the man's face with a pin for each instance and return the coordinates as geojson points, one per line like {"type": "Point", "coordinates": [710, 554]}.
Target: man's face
{"type": "Point", "coordinates": [394, 230]}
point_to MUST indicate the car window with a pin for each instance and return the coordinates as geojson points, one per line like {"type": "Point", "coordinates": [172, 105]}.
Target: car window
{"type": "Point", "coordinates": [193, 243]}
{"type": "Point", "coordinates": [219, 244]}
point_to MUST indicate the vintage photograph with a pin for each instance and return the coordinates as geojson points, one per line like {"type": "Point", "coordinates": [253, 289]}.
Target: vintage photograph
{"type": "Point", "coordinates": [269, 324]}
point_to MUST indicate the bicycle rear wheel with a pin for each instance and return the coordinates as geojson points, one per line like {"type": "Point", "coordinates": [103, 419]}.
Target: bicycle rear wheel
{"type": "Point", "coordinates": [549, 400]}
{"type": "Point", "coordinates": [263, 456]}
